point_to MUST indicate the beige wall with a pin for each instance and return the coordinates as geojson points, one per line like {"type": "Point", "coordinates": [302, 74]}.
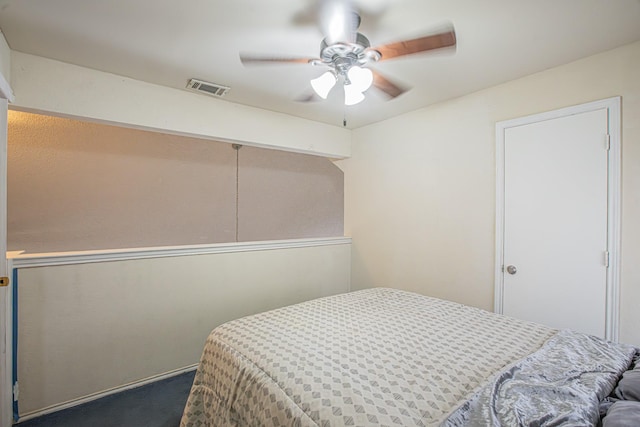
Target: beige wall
{"type": "Point", "coordinates": [87, 328]}
{"type": "Point", "coordinates": [103, 325]}
{"type": "Point", "coordinates": [420, 188]}
{"type": "Point", "coordinates": [75, 185]}
{"type": "Point", "coordinates": [5, 58]}
{"type": "Point", "coordinates": [61, 89]}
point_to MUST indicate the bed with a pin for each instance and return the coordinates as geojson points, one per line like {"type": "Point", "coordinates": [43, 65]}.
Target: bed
{"type": "Point", "coordinates": [389, 357]}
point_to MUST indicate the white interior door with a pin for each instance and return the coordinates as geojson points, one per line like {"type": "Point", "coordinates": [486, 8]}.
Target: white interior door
{"type": "Point", "coordinates": [555, 221]}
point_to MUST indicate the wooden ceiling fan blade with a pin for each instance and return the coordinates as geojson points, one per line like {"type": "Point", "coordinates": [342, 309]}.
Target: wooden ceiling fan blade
{"type": "Point", "coordinates": [259, 60]}
{"type": "Point", "coordinates": [387, 86]}
{"type": "Point", "coordinates": [422, 44]}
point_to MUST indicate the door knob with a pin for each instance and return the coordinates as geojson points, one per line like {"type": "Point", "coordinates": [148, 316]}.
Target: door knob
{"type": "Point", "coordinates": [511, 269]}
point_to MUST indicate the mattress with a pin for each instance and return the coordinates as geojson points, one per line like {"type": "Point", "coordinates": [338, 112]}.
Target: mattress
{"type": "Point", "coordinates": [389, 357]}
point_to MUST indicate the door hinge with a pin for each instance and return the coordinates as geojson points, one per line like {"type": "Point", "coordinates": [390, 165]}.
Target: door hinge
{"type": "Point", "coordinates": [607, 142]}
{"type": "Point", "coordinates": [16, 392]}
{"type": "Point", "coordinates": [606, 259]}
{"type": "Point", "coordinates": [4, 281]}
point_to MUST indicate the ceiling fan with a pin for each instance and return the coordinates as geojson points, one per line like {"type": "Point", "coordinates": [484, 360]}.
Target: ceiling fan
{"type": "Point", "coordinates": [348, 54]}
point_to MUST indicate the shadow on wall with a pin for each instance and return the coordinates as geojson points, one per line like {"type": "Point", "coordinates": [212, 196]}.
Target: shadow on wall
{"type": "Point", "coordinates": [75, 186]}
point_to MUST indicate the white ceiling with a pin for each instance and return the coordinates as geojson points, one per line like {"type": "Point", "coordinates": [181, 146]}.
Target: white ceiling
{"type": "Point", "coordinates": [167, 42]}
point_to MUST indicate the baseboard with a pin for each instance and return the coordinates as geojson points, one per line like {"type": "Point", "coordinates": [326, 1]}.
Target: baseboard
{"type": "Point", "coordinates": [105, 393]}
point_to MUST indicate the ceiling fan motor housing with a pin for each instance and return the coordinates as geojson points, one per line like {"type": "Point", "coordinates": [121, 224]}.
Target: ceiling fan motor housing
{"type": "Point", "coordinates": [342, 56]}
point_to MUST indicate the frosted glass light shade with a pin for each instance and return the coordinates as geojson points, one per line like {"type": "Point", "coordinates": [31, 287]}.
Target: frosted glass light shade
{"type": "Point", "coordinates": [361, 78]}
{"type": "Point", "coordinates": [352, 95]}
{"type": "Point", "coordinates": [323, 84]}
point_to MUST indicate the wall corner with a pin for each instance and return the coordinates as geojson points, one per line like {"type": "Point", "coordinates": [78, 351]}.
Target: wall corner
{"type": "Point", "coordinates": [5, 69]}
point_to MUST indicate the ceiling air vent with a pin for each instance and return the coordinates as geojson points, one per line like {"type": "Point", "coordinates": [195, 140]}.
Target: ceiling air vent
{"type": "Point", "coordinates": [212, 89]}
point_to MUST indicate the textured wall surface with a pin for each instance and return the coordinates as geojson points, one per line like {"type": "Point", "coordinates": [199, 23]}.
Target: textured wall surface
{"type": "Point", "coordinates": [288, 195]}
{"type": "Point", "coordinates": [75, 185]}
{"type": "Point", "coordinates": [86, 328]}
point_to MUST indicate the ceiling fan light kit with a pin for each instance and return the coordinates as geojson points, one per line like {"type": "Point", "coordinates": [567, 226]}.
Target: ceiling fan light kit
{"type": "Point", "coordinates": [352, 95]}
{"type": "Point", "coordinates": [356, 81]}
{"type": "Point", "coordinates": [349, 57]}
{"type": "Point", "coordinates": [323, 84]}
{"type": "Point", "coordinates": [346, 61]}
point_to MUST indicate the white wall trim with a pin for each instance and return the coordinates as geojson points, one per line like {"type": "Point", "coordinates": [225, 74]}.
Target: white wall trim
{"type": "Point", "coordinates": [615, 218]}
{"type": "Point", "coordinates": [5, 90]}
{"type": "Point", "coordinates": [6, 312]}
{"type": "Point", "coordinates": [19, 260]}
{"type": "Point", "coordinates": [613, 105]}
{"type": "Point", "coordinates": [499, 242]}
{"type": "Point", "coordinates": [6, 356]}
{"type": "Point", "coordinates": [22, 260]}
{"type": "Point", "coordinates": [105, 393]}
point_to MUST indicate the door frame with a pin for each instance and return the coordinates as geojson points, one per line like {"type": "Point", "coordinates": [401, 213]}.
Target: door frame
{"type": "Point", "coordinates": [6, 299]}
{"type": "Point", "coordinates": [612, 105]}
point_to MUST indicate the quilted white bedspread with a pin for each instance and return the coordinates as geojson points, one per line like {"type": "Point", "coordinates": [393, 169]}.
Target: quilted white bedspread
{"type": "Point", "coordinates": [373, 357]}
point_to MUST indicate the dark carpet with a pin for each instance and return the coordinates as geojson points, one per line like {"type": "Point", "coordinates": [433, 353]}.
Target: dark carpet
{"type": "Point", "coordinates": [159, 404]}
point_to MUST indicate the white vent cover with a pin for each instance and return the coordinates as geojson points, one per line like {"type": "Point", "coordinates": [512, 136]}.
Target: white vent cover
{"type": "Point", "coordinates": [212, 89]}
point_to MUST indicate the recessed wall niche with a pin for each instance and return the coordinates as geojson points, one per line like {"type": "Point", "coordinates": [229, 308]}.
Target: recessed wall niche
{"type": "Point", "coordinates": [75, 185]}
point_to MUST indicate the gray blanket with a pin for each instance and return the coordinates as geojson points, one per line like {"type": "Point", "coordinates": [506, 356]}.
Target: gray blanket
{"type": "Point", "coordinates": [560, 384]}
{"type": "Point", "coordinates": [388, 357]}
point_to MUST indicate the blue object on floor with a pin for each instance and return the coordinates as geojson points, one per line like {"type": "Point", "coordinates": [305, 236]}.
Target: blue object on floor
{"type": "Point", "coordinates": [159, 404]}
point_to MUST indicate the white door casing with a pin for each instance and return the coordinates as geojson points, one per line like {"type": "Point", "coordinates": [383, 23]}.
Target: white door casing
{"type": "Point", "coordinates": [6, 328]}
{"type": "Point", "coordinates": [6, 313]}
{"type": "Point", "coordinates": [557, 217]}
